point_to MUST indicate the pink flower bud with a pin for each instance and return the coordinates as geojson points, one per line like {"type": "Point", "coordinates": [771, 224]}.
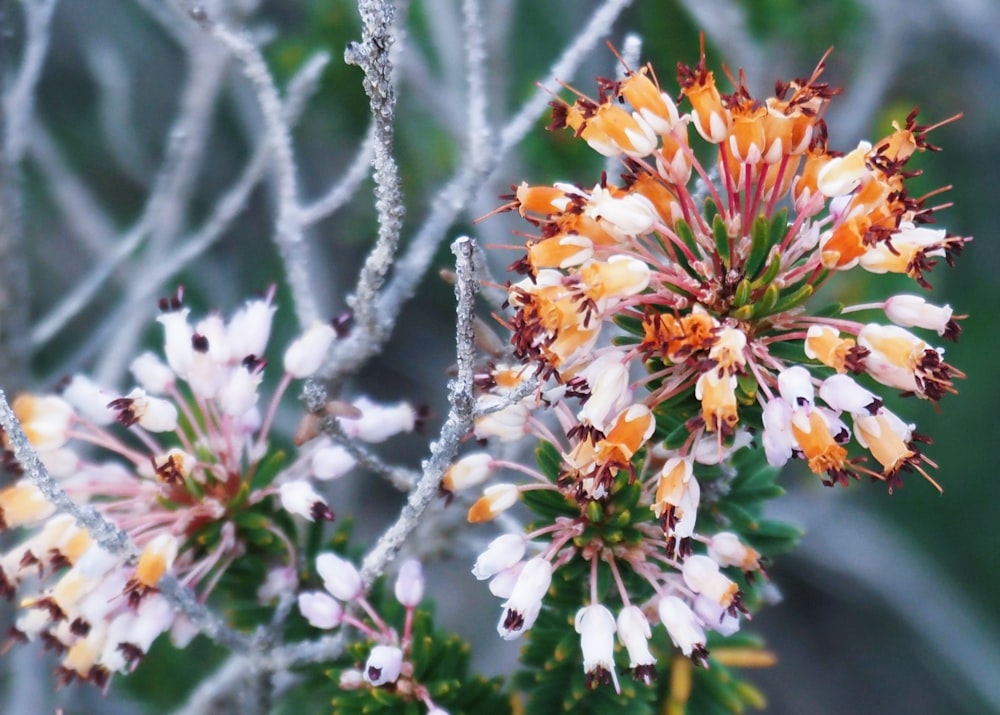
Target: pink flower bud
{"type": "Point", "coordinates": [339, 576]}
{"type": "Point", "coordinates": [409, 587]}
{"type": "Point", "coordinates": [321, 609]}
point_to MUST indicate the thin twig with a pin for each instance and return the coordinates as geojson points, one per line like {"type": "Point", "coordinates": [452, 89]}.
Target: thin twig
{"type": "Point", "coordinates": [454, 430]}
{"type": "Point", "coordinates": [372, 55]}
{"type": "Point", "coordinates": [19, 102]}
{"type": "Point", "coordinates": [289, 235]}
{"type": "Point", "coordinates": [341, 192]}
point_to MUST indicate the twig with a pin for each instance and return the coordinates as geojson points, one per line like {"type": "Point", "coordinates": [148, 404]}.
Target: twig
{"type": "Point", "coordinates": [117, 122]}
{"type": "Point", "coordinates": [19, 102]}
{"type": "Point", "coordinates": [289, 235]}
{"type": "Point", "coordinates": [81, 211]}
{"type": "Point", "coordinates": [479, 133]}
{"type": "Point", "coordinates": [372, 55]}
{"type": "Point", "coordinates": [455, 428]}
{"type": "Point", "coordinates": [341, 192]}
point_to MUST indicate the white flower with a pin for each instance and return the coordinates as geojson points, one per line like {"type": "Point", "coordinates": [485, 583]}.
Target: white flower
{"type": "Point", "coordinates": [384, 665]}
{"type": "Point", "coordinates": [151, 413]}
{"type": "Point", "coordinates": [684, 628]}
{"type": "Point", "coordinates": [634, 633]}
{"type": "Point", "coordinates": [152, 373]}
{"type": "Point", "coordinates": [702, 575]}
{"type": "Point", "coordinates": [299, 497]}
{"type": "Point", "coordinates": [379, 422]}
{"type": "Point", "coordinates": [596, 626]}
{"type": "Point", "coordinates": [331, 462]}
{"type": "Point", "coordinates": [843, 394]}
{"type": "Point", "coordinates": [912, 311]}
{"type": "Point", "coordinates": [496, 499]}
{"type": "Point", "coordinates": [239, 395]}
{"type": "Point", "coordinates": [507, 424]}
{"type": "Point", "coordinates": [469, 471]}
{"type": "Point", "coordinates": [522, 608]}
{"type": "Point", "coordinates": [249, 329]}
{"type": "Point", "coordinates": [90, 399]}
{"type": "Point", "coordinates": [306, 353]}
{"type": "Point", "coordinates": [177, 340]}
{"type": "Point", "coordinates": [608, 379]}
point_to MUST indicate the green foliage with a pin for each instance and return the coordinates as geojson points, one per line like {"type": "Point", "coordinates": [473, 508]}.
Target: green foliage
{"type": "Point", "coordinates": [440, 664]}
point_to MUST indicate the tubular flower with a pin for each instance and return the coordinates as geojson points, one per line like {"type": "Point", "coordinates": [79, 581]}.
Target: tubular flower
{"type": "Point", "coordinates": [671, 323]}
{"type": "Point", "coordinates": [181, 464]}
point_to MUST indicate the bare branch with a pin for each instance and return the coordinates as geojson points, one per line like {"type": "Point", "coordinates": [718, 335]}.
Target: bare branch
{"type": "Point", "coordinates": [456, 427]}
{"type": "Point", "coordinates": [289, 235]}
{"type": "Point", "coordinates": [372, 55]}
{"type": "Point", "coordinates": [341, 192]}
{"type": "Point", "coordinates": [19, 102]}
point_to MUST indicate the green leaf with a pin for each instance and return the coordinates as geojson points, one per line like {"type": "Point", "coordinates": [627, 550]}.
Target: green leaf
{"type": "Point", "coordinates": [721, 235]}
{"type": "Point", "coordinates": [759, 245]}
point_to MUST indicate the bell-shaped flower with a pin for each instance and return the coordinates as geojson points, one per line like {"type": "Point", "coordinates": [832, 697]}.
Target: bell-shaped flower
{"type": "Point", "coordinates": [471, 470]}
{"type": "Point", "coordinates": [384, 664]}
{"type": "Point", "coordinates": [298, 497]}
{"type": "Point", "coordinates": [596, 626]}
{"type": "Point", "coordinates": [521, 609]}
{"type": "Point", "coordinates": [684, 628]}
{"type": "Point", "coordinates": [495, 500]}
{"type": "Point", "coordinates": [306, 353]}
{"type": "Point", "coordinates": [912, 311]}
{"type": "Point", "coordinates": [634, 633]}
{"type": "Point", "coordinates": [702, 575]}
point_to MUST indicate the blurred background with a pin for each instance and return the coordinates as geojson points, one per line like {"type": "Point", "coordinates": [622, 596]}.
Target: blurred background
{"type": "Point", "coordinates": [889, 603]}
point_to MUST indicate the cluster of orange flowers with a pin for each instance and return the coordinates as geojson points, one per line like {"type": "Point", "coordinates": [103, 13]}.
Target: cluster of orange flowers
{"type": "Point", "coordinates": [668, 315]}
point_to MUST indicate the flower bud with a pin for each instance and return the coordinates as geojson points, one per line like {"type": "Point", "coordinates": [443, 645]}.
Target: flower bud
{"type": "Point", "coordinates": [321, 609]}
{"type": "Point", "coordinates": [502, 553]}
{"type": "Point", "coordinates": [409, 587]}
{"type": "Point", "coordinates": [306, 354]}
{"type": "Point", "coordinates": [340, 577]}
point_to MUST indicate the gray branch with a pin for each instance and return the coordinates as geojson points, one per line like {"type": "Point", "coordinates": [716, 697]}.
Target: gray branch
{"type": "Point", "coordinates": [372, 54]}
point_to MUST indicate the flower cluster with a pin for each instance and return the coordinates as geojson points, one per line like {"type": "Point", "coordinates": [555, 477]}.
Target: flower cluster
{"type": "Point", "coordinates": [666, 319]}
{"type": "Point", "coordinates": [389, 661]}
{"type": "Point", "coordinates": [182, 465]}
